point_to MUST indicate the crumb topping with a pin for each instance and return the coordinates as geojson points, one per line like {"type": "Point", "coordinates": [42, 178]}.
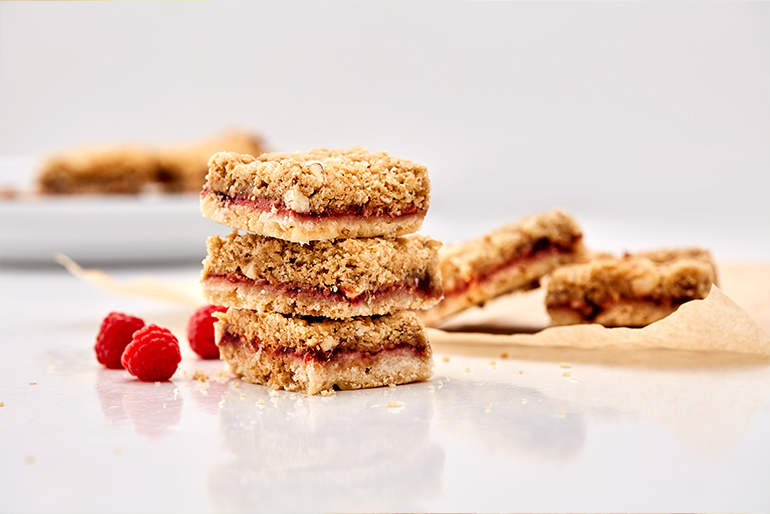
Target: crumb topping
{"type": "Point", "coordinates": [350, 265]}
{"type": "Point", "coordinates": [324, 335]}
{"type": "Point", "coordinates": [677, 275]}
{"type": "Point", "coordinates": [323, 180]}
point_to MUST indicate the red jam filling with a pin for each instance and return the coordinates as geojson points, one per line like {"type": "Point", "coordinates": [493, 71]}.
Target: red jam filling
{"type": "Point", "coordinates": [264, 204]}
{"type": "Point", "coordinates": [313, 354]}
{"type": "Point", "coordinates": [541, 248]}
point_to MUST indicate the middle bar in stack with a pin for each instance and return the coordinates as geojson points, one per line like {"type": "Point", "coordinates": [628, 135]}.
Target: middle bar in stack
{"type": "Point", "coordinates": [311, 309]}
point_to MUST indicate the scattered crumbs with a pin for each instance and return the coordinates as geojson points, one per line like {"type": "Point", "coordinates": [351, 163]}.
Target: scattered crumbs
{"type": "Point", "coordinates": [445, 359]}
{"type": "Point", "coordinates": [293, 395]}
{"type": "Point", "coordinates": [395, 404]}
{"type": "Point", "coordinates": [328, 392]}
{"type": "Point", "coordinates": [492, 363]}
{"type": "Point", "coordinates": [391, 385]}
{"type": "Point", "coordinates": [204, 390]}
{"type": "Point", "coordinates": [176, 392]}
{"type": "Point", "coordinates": [467, 370]}
{"type": "Point", "coordinates": [299, 401]}
{"type": "Point", "coordinates": [2, 404]}
{"type": "Point", "coordinates": [440, 384]}
{"type": "Point", "coordinates": [243, 396]}
{"type": "Point", "coordinates": [201, 374]}
{"type": "Point", "coordinates": [236, 385]}
{"type": "Point", "coordinates": [565, 365]}
{"type": "Point", "coordinates": [30, 459]}
{"type": "Point", "coordinates": [566, 374]}
{"type": "Point", "coordinates": [521, 372]}
{"type": "Point", "coordinates": [430, 388]}
{"type": "Point", "coordinates": [273, 393]}
{"type": "Point", "coordinates": [33, 383]}
{"type": "Point", "coordinates": [260, 402]}
{"type": "Point", "coordinates": [504, 355]}
{"type": "Point", "coordinates": [184, 373]}
{"type": "Point", "coordinates": [223, 372]}
{"type": "Point", "coordinates": [117, 451]}
{"type": "Point", "coordinates": [221, 404]}
{"type": "Point", "coordinates": [561, 414]}
{"type": "Point", "coordinates": [489, 408]}
{"type": "Point", "coordinates": [157, 383]}
{"type": "Point", "coordinates": [187, 385]}
{"type": "Point", "coordinates": [523, 400]}
{"type": "Point", "coordinates": [164, 405]}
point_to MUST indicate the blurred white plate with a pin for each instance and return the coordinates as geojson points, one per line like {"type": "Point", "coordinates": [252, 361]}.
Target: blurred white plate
{"type": "Point", "coordinates": [99, 229]}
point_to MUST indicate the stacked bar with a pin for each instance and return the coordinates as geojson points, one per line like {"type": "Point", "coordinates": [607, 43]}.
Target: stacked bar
{"type": "Point", "coordinates": [322, 286]}
{"type": "Point", "coordinates": [630, 291]}
{"type": "Point", "coordinates": [513, 257]}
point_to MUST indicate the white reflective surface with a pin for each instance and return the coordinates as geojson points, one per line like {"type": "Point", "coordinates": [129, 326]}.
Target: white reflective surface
{"type": "Point", "coordinates": [524, 433]}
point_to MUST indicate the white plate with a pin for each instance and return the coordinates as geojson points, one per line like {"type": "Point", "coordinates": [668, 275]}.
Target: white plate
{"type": "Point", "coordinates": [99, 229]}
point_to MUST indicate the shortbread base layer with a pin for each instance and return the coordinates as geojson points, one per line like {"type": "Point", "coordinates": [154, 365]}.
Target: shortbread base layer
{"type": "Point", "coordinates": [520, 275]}
{"type": "Point", "coordinates": [301, 228]}
{"type": "Point", "coordinates": [621, 314]}
{"type": "Point", "coordinates": [343, 370]}
{"type": "Point", "coordinates": [247, 294]}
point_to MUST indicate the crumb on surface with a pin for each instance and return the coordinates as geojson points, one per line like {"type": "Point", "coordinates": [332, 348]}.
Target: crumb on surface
{"type": "Point", "coordinates": [566, 374]}
{"type": "Point", "coordinates": [29, 459]}
{"type": "Point", "coordinates": [489, 407]}
{"type": "Point", "coordinates": [565, 365]}
{"type": "Point", "coordinates": [445, 359]}
{"type": "Point", "coordinates": [201, 375]}
{"type": "Point", "coordinates": [260, 402]}
{"type": "Point", "coordinates": [503, 355]}
{"type": "Point", "coordinates": [492, 362]}
{"type": "Point", "coordinates": [33, 383]}
{"type": "Point", "coordinates": [395, 404]}
{"type": "Point", "coordinates": [117, 451]}
{"type": "Point", "coordinates": [328, 392]}
{"type": "Point", "coordinates": [523, 400]}
{"type": "Point", "coordinates": [562, 414]}
{"type": "Point", "coordinates": [391, 385]}
{"type": "Point", "coordinates": [2, 404]}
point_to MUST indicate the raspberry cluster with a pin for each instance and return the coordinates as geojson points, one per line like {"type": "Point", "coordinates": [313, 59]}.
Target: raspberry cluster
{"type": "Point", "coordinates": [151, 353]}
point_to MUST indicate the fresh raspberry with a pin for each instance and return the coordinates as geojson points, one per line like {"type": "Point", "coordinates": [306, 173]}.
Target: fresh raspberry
{"type": "Point", "coordinates": [153, 354]}
{"type": "Point", "coordinates": [200, 331]}
{"type": "Point", "coordinates": [114, 335]}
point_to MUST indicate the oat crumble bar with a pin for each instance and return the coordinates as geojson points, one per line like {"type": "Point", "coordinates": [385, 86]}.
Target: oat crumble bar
{"type": "Point", "coordinates": [317, 195]}
{"type": "Point", "coordinates": [333, 279]}
{"type": "Point", "coordinates": [98, 170]}
{"type": "Point", "coordinates": [513, 257]}
{"type": "Point", "coordinates": [317, 354]}
{"type": "Point", "coordinates": [631, 291]}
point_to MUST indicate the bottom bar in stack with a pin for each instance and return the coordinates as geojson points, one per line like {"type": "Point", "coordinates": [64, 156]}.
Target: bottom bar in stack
{"type": "Point", "coordinates": [318, 354]}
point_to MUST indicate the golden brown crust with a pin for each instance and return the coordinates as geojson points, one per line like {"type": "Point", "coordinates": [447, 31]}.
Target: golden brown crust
{"type": "Point", "coordinates": [98, 170]}
{"type": "Point", "coordinates": [317, 354]}
{"type": "Point", "coordinates": [633, 290]}
{"type": "Point", "coordinates": [335, 279]}
{"type": "Point", "coordinates": [512, 257]}
{"type": "Point", "coordinates": [320, 194]}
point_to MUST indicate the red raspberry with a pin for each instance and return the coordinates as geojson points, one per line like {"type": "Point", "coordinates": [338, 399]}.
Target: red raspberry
{"type": "Point", "coordinates": [114, 335]}
{"type": "Point", "coordinates": [153, 354]}
{"type": "Point", "coordinates": [200, 331]}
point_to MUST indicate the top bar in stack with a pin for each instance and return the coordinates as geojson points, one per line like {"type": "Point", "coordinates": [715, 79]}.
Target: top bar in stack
{"type": "Point", "coordinates": [511, 258]}
{"type": "Point", "coordinates": [317, 195]}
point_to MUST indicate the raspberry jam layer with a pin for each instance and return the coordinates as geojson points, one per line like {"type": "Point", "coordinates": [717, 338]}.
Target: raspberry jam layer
{"type": "Point", "coordinates": [278, 209]}
{"type": "Point", "coordinates": [589, 311]}
{"type": "Point", "coordinates": [317, 355]}
{"type": "Point", "coordinates": [424, 286]}
{"type": "Point", "coordinates": [537, 250]}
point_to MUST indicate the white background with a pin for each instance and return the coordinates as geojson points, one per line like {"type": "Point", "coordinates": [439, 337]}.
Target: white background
{"type": "Point", "coordinates": [649, 121]}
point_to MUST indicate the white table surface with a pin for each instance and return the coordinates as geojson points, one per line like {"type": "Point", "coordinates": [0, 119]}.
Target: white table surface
{"type": "Point", "coordinates": [516, 435]}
